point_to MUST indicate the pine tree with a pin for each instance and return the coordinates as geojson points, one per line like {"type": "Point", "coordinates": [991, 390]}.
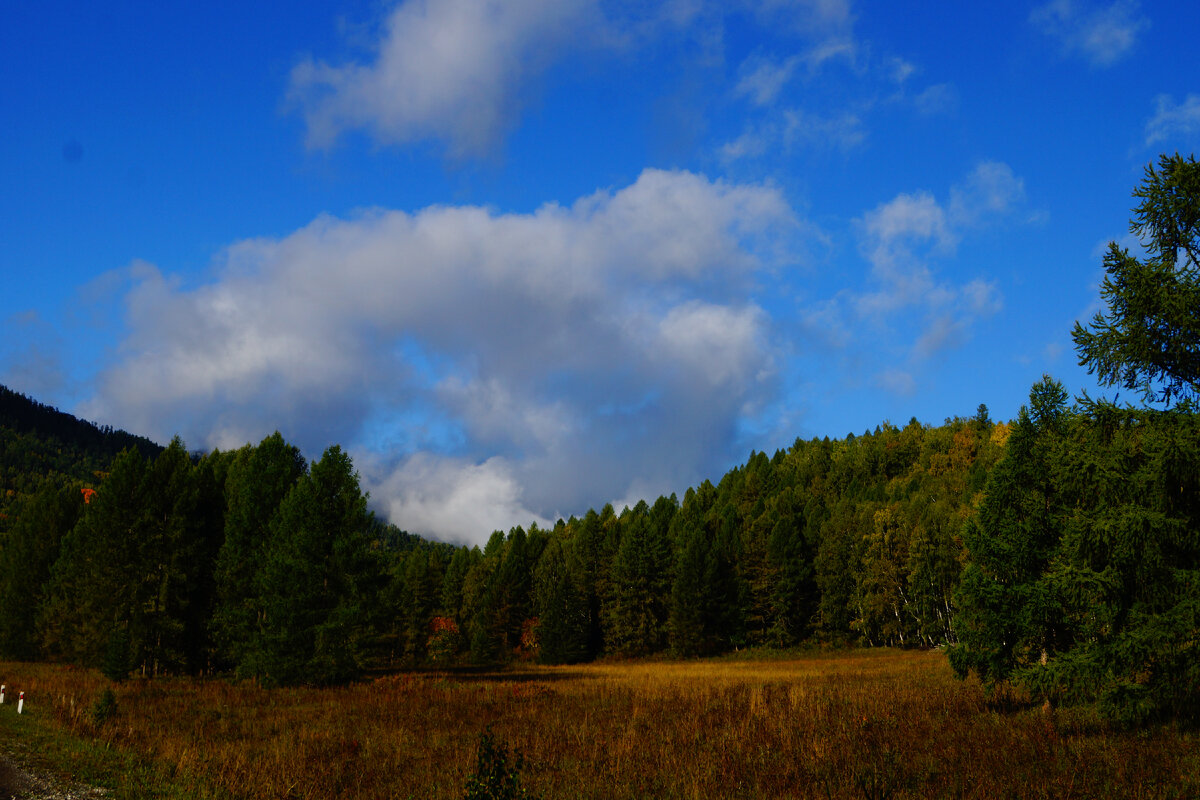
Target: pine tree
{"type": "Point", "coordinates": [320, 581]}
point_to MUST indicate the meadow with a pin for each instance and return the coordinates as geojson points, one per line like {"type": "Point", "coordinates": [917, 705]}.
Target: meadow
{"type": "Point", "coordinates": [838, 724]}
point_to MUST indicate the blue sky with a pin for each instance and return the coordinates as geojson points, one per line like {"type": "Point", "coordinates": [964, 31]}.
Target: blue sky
{"type": "Point", "coordinates": [526, 258]}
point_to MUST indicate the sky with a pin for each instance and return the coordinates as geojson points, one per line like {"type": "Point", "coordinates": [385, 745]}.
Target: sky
{"type": "Point", "coordinates": [525, 258]}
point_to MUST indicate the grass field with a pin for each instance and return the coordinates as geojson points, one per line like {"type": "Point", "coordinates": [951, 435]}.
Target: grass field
{"type": "Point", "coordinates": [851, 724]}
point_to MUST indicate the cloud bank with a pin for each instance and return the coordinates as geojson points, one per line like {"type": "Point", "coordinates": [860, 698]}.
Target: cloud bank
{"type": "Point", "coordinates": [487, 369]}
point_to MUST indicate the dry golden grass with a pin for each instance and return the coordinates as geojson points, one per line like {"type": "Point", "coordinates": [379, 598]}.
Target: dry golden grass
{"type": "Point", "coordinates": [863, 724]}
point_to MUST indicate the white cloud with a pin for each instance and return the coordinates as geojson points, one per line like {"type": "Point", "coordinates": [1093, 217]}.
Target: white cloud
{"type": "Point", "coordinates": [590, 347]}
{"type": "Point", "coordinates": [901, 70]}
{"type": "Point", "coordinates": [1102, 35]}
{"type": "Point", "coordinates": [751, 144]}
{"type": "Point", "coordinates": [893, 228]}
{"type": "Point", "coordinates": [903, 238]}
{"type": "Point", "coordinates": [762, 78]}
{"type": "Point", "coordinates": [991, 191]}
{"type": "Point", "coordinates": [941, 98]}
{"type": "Point", "coordinates": [825, 17]}
{"type": "Point", "coordinates": [462, 501]}
{"type": "Point", "coordinates": [1173, 120]}
{"type": "Point", "coordinates": [796, 128]}
{"type": "Point", "coordinates": [456, 70]}
{"type": "Point", "coordinates": [461, 71]}
{"type": "Point", "coordinates": [843, 131]}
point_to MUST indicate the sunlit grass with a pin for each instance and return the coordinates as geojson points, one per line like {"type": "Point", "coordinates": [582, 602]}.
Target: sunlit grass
{"type": "Point", "coordinates": [868, 724]}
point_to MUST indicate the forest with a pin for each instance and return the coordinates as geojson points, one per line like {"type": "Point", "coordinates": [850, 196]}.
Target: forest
{"type": "Point", "coordinates": [1058, 552]}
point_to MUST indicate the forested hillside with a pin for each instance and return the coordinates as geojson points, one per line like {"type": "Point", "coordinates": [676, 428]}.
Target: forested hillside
{"type": "Point", "coordinates": [39, 443]}
{"type": "Point", "coordinates": [258, 562]}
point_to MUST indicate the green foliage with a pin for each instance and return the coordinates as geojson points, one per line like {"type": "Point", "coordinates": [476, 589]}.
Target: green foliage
{"type": "Point", "coordinates": [257, 480]}
{"type": "Point", "coordinates": [637, 610]}
{"type": "Point", "coordinates": [562, 608]}
{"type": "Point", "coordinates": [1009, 618]}
{"type": "Point", "coordinates": [27, 555]}
{"type": "Point", "coordinates": [319, 582]}
{"type": "Point", "coordinates": [249, 560]}
{"type": "Point", "coordinates": [116, 664]}
{"type": "Point", "coordinates": [97, 579]}
{"type": "Point", "coordinates": [103, 708]}
{"type": "Point", "coordinates": [1084, 579]}
{"type": "Point", "coordinates": [1149, 340]}
{"type": "Point", "coordinates": [497, 773]}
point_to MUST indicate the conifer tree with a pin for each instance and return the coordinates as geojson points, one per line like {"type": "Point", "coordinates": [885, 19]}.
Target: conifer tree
{"type": "Point", "coordinates": [320, 581]}
{"type": "Point", "coordinates": [27, 555]}
{"type": "Point", "coordinates": [562, 609]}
{"type": "Point", "coordinates": [1008, 617]}
{"type": "Point", "coordinates": [636, 613]}
{"type": "Point", "coordinates": [257, 480]}
{"type": "Point", "coordinates": [92, 596]}
{"type": "Point", "coordinates": [1149, 338]}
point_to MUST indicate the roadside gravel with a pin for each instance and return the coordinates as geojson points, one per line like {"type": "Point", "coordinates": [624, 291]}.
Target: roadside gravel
{"type": "Point", "coordinates": [19, 780]}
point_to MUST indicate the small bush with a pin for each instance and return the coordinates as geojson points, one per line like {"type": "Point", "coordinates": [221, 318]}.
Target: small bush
{"type": "Point", "coordinates": [495, 777]}
{"type": "Point", "coordinates": [103, 708]}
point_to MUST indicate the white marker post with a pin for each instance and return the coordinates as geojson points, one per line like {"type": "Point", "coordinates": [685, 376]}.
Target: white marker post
{"type": "Point", "coordinates": [21, 704]}
{"type": "Point", "coordinates": [2, 688]}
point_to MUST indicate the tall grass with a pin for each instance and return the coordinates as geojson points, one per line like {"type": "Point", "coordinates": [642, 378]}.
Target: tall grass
{"type": "Point", "coordinates": [863, 724]}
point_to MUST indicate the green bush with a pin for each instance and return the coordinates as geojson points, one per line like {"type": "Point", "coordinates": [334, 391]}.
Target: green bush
{"type": "Point", "coordinates": [104, 708]}
{"type": "Point", "coordinates": [496, 778]}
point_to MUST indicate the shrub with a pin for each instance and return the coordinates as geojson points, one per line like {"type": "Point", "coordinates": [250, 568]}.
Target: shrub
{"type": "Point", "coordinates": [495, 777]}
{"type": "Point", "coordinates": [103, 708]}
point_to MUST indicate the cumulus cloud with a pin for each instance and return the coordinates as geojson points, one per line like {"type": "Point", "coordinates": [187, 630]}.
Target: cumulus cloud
{"type": "Point", "coordinates": [458, 499]}
{"type": "Point", "coordinates": [1173, 120]}
{"type": "Point", "coordinates": [1101, 34]}
{"type": "Point", "coordinates": [492, 366]}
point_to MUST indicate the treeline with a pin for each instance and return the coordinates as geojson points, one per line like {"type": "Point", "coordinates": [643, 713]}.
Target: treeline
{"type": "Point", "coordinates": [256, 562]}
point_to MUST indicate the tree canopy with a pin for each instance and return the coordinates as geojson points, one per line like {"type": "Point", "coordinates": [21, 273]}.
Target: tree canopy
{"type": "Point", "coordinates": [1149, 338]}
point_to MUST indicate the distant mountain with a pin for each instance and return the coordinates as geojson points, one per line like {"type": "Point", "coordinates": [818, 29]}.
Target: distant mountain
{"type": "Point", "coordinates": [39, 443]}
